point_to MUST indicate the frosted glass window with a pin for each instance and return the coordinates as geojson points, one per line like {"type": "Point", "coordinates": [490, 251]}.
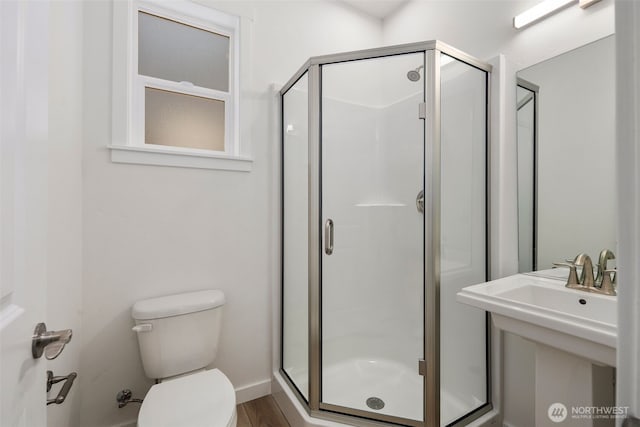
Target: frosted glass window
{"type": "Point", "coordinates": [176, 86]}
{"type": "Point", "coordinates": [173, 51]}
{"type": "Point", "coordinates": [183, 120]}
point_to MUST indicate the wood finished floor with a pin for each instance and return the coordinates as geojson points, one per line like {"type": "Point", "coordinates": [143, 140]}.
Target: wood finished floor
{"type": "Point", "coordinates": [262, 412]}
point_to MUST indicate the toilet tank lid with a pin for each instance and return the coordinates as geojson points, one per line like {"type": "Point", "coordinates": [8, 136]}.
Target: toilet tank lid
{"type": "Point", "coordinates": [175, 305]}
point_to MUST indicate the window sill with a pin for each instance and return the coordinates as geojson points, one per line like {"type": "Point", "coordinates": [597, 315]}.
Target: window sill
{"type": "Point", "coordinates": [175, 158]}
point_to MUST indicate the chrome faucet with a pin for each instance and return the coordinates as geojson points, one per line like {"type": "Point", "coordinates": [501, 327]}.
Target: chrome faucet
{"type": "Point", "coordinates": [605, 256]}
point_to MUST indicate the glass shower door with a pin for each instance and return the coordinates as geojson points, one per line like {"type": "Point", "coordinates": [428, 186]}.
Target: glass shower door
{"type": "Point", "coordinates": [372, 286]}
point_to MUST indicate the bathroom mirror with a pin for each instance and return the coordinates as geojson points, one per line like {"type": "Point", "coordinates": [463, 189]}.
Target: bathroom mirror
{"type": "Point", "coordinates": [566, 158]}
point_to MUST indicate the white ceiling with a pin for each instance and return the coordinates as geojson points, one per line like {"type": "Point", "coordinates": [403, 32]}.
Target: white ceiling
{"type": "Point", "coordinates": [377, 8]}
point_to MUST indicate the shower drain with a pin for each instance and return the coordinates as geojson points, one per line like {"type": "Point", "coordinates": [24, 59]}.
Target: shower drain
{"type": "Point", "coordinates": [375, 403]}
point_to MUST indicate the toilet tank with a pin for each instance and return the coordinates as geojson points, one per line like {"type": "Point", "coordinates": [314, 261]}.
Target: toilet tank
{"type": "Point", "coordinates": [178, 333]}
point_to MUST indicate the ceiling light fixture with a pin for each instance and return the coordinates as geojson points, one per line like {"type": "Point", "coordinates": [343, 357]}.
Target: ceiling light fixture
{"type": "Point", "coordinates": [539, 11]}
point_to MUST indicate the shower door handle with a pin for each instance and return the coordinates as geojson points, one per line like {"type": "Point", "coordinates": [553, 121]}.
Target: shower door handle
{"type": "Point", "coordinates": [328, 237]}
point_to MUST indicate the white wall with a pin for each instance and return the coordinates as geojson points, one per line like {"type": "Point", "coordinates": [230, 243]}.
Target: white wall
{"type": "Point", "coordinates": [483, 29]}
{"type": "Point", "coordinates": [64, 262]}
{"type": "Point", "coordinates": [151, 231]}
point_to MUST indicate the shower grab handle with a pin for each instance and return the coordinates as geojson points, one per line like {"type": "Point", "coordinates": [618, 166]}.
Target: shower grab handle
{"type": "Point", "coordinates": [328, 237]}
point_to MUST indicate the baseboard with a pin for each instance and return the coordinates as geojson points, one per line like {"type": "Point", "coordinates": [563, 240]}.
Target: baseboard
{"type": "Point", "coordinates": [253, 391]}
{"type": "Point", "coordinates": [130, 423]}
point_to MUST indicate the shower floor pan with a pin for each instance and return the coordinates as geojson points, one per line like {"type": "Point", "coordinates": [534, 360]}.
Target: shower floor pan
{"type": "Point", "coordinates": [351, 382]}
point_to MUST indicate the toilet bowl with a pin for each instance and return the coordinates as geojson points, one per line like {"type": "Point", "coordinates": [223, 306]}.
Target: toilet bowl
{"type": "Point", "coordinates": [178, 338]}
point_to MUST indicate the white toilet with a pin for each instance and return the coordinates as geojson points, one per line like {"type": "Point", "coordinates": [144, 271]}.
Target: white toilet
{"type": "Point", "coordinates": [178, 337]}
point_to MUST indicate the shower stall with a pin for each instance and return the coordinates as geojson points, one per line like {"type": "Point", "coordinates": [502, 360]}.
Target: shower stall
{"type": "Point", "coordinates": [384, 220]}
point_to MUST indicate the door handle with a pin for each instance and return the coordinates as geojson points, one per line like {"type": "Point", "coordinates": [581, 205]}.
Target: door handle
{"type": "Point", "coordinates": [51, 343]}
{"type": "Point", "coordinates": [328, 237]}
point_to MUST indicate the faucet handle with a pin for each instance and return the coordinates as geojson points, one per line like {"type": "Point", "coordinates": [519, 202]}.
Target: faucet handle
{"type": "Point", "coordinates": [605, 256]}
{"type": "Point", "coordinates": [572, 280]}
{"type": "Point", "coordinates": [607, 285]}
{"type": "Point", "coordinates": [568, 263]}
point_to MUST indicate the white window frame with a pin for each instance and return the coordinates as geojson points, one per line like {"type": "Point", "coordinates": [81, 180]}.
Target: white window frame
{"type": "Point", "coordinates": [128, 102]}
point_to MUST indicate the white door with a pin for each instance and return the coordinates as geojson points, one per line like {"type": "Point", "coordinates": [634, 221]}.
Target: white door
{"type": "Point", "coordinates": [23, 208]}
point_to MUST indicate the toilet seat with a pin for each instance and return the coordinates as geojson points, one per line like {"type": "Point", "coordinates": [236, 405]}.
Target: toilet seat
{"type": "Point", "coordinates": [203, 399]}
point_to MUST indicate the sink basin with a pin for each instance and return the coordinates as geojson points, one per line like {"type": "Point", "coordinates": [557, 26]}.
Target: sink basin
{"type": "Point", "coordinates": [565, 301]}
{"type": "Point", "coordinates": [543, 310]}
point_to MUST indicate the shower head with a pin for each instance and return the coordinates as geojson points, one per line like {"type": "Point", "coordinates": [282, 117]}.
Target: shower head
{"type": "Point", "coordinates": [414, 75]}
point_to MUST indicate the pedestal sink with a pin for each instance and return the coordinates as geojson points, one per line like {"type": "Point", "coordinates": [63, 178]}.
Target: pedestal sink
{"type": "Point", "coordinates": [572, 329]}
{"type": "Point", "coordinates": [545, 311]}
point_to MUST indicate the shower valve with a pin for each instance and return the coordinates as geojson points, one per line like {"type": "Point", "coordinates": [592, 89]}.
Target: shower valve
{"type": "Point", "coordinates": [124, 397]}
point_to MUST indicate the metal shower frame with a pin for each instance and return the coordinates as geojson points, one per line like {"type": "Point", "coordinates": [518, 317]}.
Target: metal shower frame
{"type": "Point", "coordinates": [534, 96]}
{"type": "Point", "coordinates": [430, 369]}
